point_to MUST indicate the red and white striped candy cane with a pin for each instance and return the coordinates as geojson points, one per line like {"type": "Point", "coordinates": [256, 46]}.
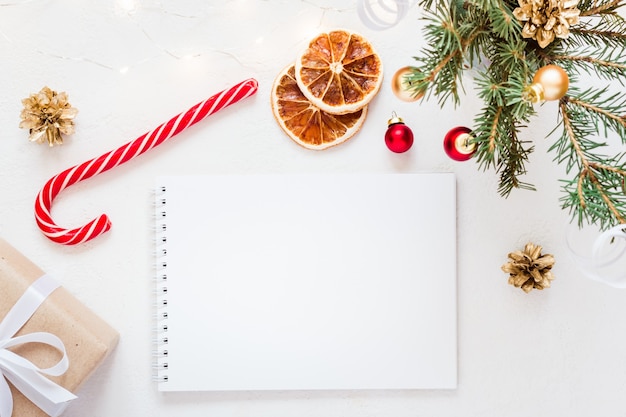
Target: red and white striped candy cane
{"type": "Point", "coordinates": [149, 140]}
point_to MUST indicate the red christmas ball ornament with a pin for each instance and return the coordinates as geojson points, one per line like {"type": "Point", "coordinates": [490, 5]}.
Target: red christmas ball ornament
{"type": "Point", "coordinates": [399, 137]}
{"type": "Point", "coordinates": [458, 144]}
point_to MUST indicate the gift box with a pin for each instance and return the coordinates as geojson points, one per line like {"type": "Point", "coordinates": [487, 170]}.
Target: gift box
{"type": "Point", "coordinates": [86, 338]}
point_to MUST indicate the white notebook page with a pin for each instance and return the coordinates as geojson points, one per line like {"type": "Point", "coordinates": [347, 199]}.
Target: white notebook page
{"type": "Point", "coordinates": [309, 282]}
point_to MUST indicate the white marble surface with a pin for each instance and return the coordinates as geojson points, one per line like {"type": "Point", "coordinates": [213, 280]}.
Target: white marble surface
{"type": "Point", "coordinates": [131, 65]}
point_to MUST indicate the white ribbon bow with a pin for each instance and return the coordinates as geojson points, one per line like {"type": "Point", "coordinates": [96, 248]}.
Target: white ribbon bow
{"type": "Point", "coordinates": [373, 19]}
{"type": "Point", "coordinates": [23, 374]}
{"type": "Point", "coordinates": [607, 260]}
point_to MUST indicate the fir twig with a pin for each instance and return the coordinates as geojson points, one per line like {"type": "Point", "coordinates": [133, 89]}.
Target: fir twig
{"type": "Point", "coordinates": [607, 114]}
{"type": "Point", "coordinates": [590, 60]}
{"type": "Point", "coordinates": [442, 64]}
{"type": "Point", "coordinates": [485, 34]}
{"type": "Point", "coordinates": [599, 195]}
{"type": "Point", "coordinates": [609, 6]}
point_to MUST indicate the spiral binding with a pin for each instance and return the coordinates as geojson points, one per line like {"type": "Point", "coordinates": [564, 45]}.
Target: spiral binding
{"type": "Point", "coordinates": [161, 317]}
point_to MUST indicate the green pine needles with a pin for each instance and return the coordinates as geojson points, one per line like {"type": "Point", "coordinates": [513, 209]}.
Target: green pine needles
{"type": "Point", "coordinates": [484, 35]}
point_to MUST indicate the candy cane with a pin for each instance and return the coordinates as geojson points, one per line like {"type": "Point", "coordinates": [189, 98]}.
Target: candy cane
{"type": "Point", "coordinates": [149, 140]}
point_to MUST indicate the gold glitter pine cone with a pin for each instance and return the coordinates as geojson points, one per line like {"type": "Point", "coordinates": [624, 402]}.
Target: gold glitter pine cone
{"type": "Point", "coordinates": [545, 20]}
{"type": "Point", "coordinates": [47, 114]}
{"type": "Point", "coordinates": [529, 269]}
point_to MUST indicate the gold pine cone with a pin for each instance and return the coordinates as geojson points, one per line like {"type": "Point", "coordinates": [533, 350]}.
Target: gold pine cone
{"type": "Point", "coordinates": [47, 114]}
{"type": "Point", "coordinates": [529, 269]}
{"type": "Point", "coordinates": [545, 20]}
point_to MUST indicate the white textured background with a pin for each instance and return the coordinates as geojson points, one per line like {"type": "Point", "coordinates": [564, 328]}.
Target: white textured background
{"type": "Point", "coordinates": [129, 66]}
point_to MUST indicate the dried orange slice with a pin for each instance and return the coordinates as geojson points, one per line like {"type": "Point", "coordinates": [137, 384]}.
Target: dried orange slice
{"type": "Point", "coordinates": [339, 72]}
{"type": "Point", "coordinates": [306, 124]}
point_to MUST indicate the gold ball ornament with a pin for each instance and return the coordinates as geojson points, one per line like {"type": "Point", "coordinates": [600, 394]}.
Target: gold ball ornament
{"type": "Point", "coordinates": [550, 82]}
{"type": "Point", "coordinates": [401, 87]}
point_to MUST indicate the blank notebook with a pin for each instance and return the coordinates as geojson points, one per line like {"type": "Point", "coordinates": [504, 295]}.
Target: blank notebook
{"type": "Point", "coordinates": [307, 282]}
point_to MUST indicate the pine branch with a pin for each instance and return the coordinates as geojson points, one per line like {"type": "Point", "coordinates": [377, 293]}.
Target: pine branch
{"type": "Point", "coordinates": [596, 38]}
{"type": "Point", "coordinates": [594, 35]}
{"type": "Point", "coordinates": [606, 30]}
{"type": "Point", "coordinates": [594, 61]}
{"type": "Point", "coordinates": [439, 62]}
{"type": "Point", "coordinates": [442, 63]}
{"type": "Point", "coordinates": [596, 194]}
{"type": "Point", "coordinates": [610, 67]}
{"type": "Point", "coordinates": [601, 8]}
{"type": "Point", "coordinates": [591, 114]}
{"type": "Point", "coordinates": [503, 24]}
{"type": "Point", "coordinates": [499, 146]}
{"type": "Point", "coordinates": [486, 35]}
{"type": "Point", "coordinates": [603, 111]}
{"type": "Point", "coordinates": [513, 165]}
{"type": "Point", "coordinates": [486, 135]}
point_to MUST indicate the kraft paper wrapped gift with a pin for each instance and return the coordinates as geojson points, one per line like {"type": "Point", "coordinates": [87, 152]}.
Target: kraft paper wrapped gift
{"type": "Point", "coordinates": [87, 339]}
